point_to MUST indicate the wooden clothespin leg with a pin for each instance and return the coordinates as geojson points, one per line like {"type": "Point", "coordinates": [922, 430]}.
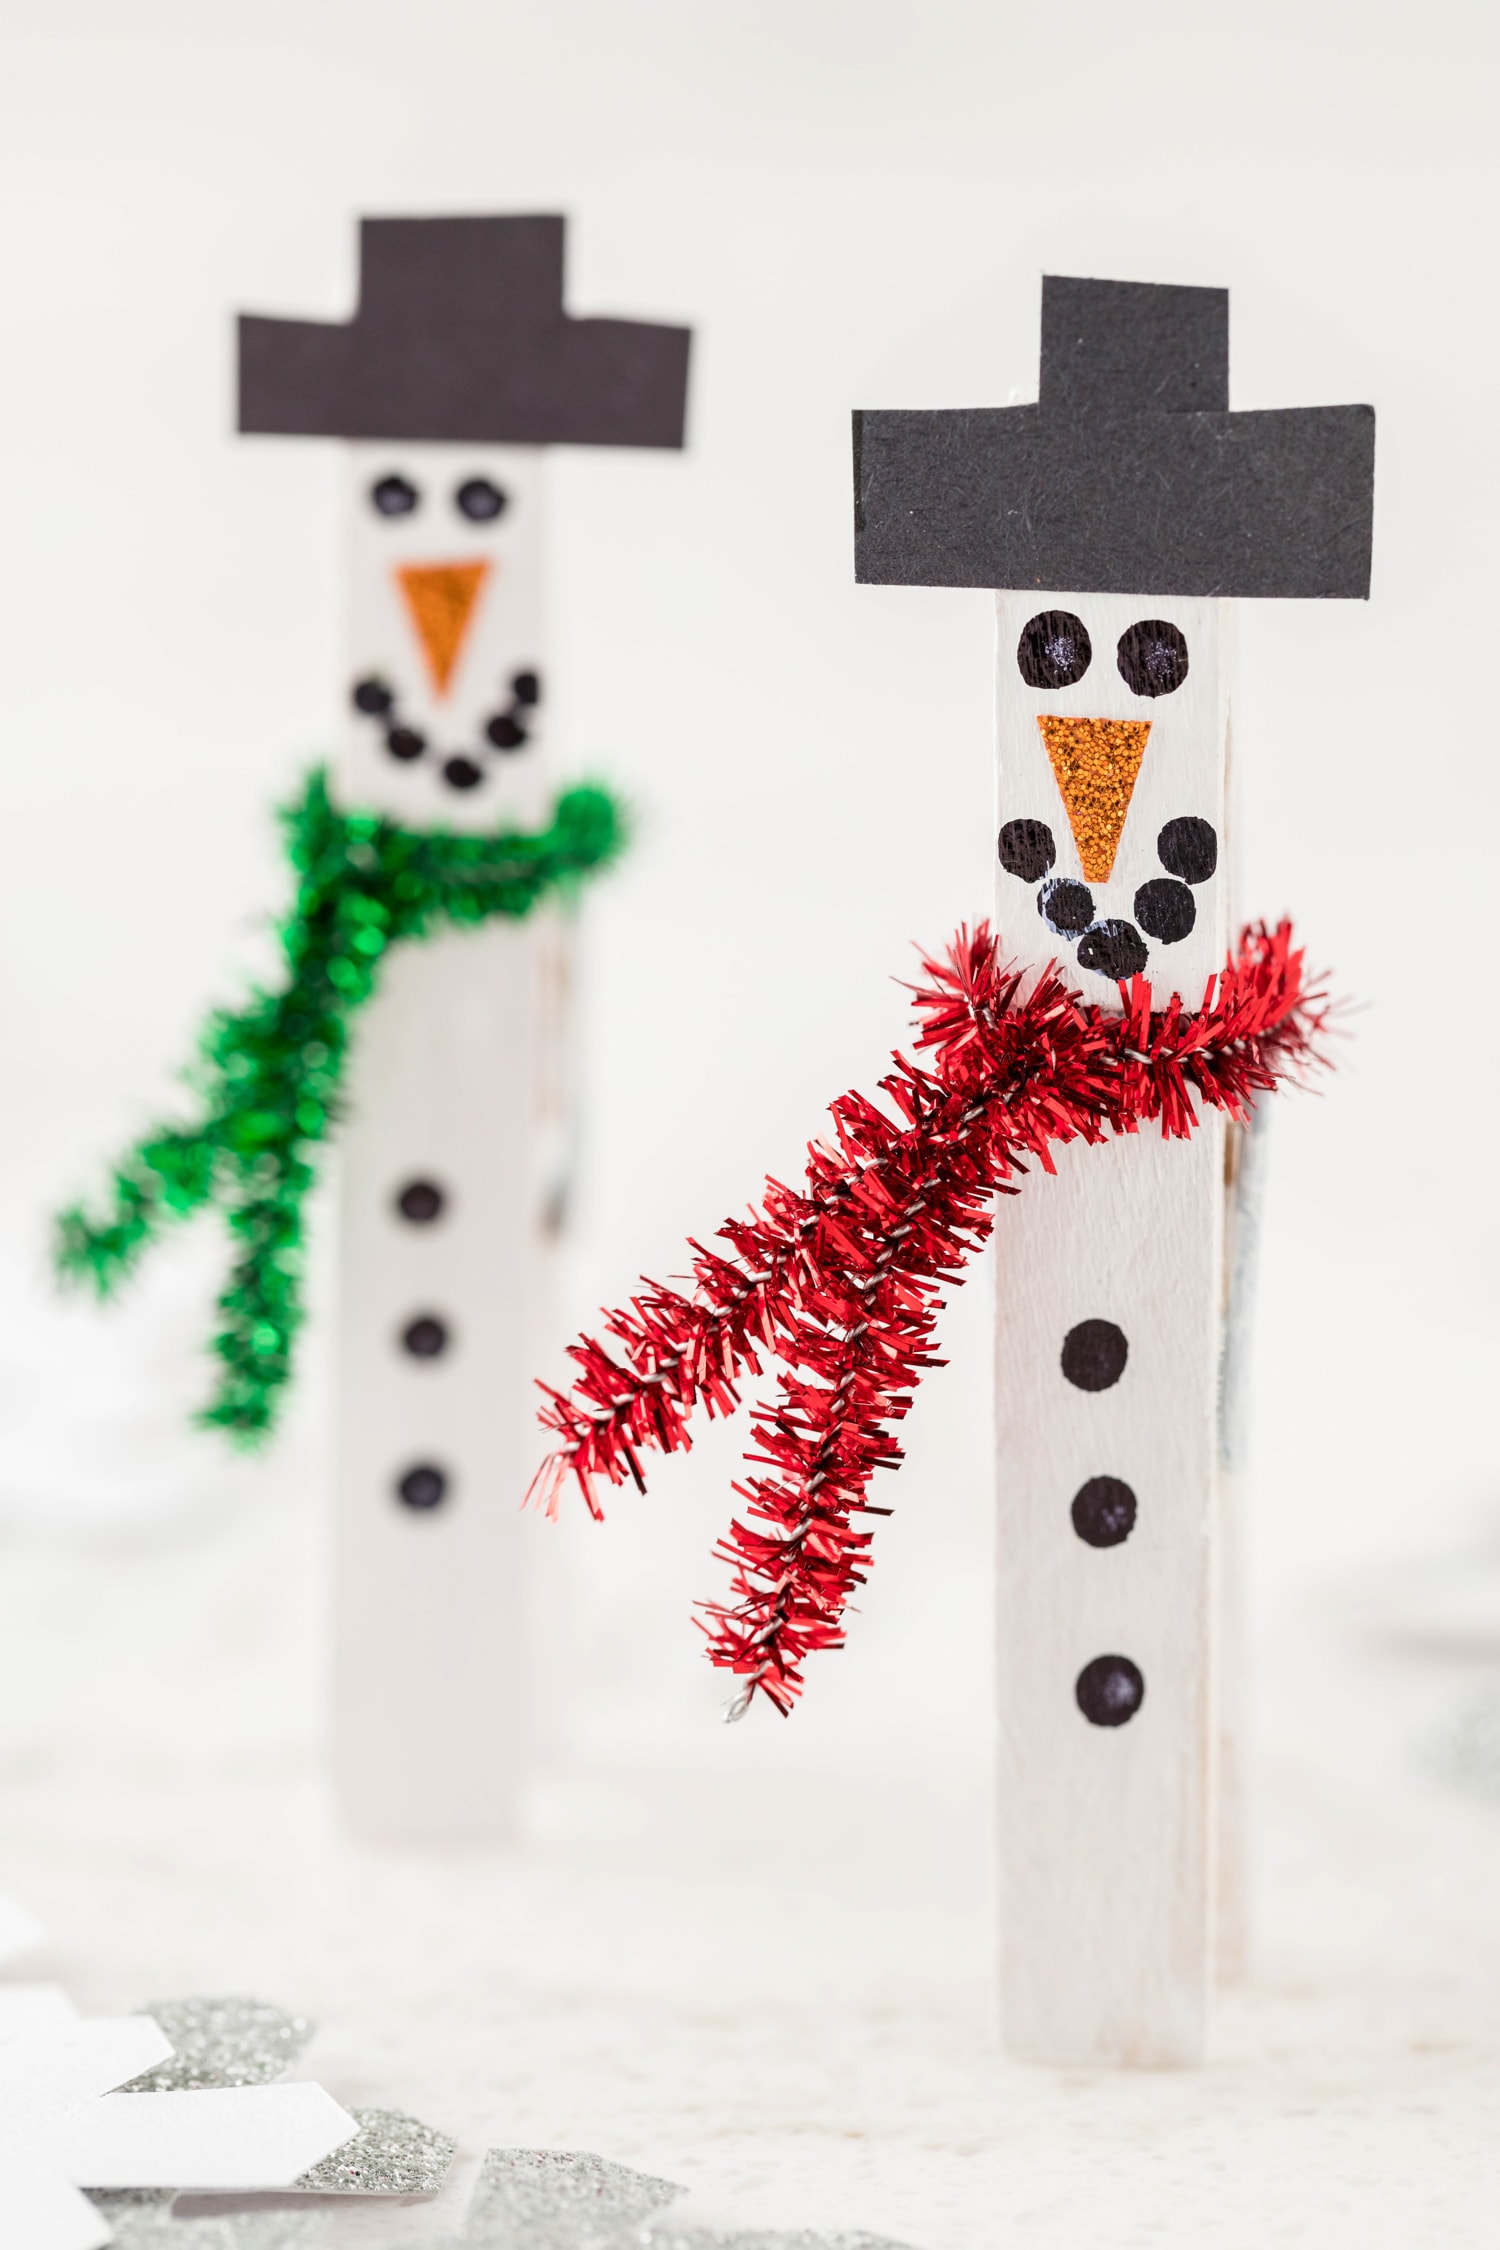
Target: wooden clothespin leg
{"type": "Point", "coordinates": [458, 371]}
{"type": "Point", "coordinates": [1114, 517]}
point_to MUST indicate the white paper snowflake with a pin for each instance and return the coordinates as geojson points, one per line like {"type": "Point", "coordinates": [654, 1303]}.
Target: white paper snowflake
{"type": "Point", "coordinates": [66, 2125]}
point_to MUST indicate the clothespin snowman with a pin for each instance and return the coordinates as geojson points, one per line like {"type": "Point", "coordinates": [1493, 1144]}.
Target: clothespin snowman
{"type": "Point", "coordinates": [1115, 518]}
{"type": "Point", "coordinates": [458, 370]}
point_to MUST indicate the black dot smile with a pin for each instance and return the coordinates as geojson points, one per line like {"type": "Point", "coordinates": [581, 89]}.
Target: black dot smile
{"type": "Point", "coordinates": [1188, 848]}
{"type": "Point", "coordinates": [1113, 949]}
{"type": "Point", "coordinates": [505, 730]}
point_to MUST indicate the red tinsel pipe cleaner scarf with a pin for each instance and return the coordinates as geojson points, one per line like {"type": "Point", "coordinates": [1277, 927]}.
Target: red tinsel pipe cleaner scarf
{"type": "Point", "coordinates": [839, 1281]}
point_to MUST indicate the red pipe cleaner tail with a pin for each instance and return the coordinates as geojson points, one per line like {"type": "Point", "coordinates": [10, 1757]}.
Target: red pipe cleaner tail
{"type": "Point", "coordinates": [840, 1280]}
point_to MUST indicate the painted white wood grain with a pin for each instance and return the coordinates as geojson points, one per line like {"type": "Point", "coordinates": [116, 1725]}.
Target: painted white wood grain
{"type": "Point", "coordinates": [1107, 1833]}
{"type": "Point", "coordinates": [456, 1082]}
{"type": "Point", "coordinates": [1244, 1184]}
{"type": "Point", "coordinates": [432, 1605]}
{"type": "Point", "coordinates": [1181, 774]}
{"type": "Point", "coordinates": [1104, 1831]}
{"type": "Point", "coordinates": [506, 635]}
{"type": "Point", "coordinates": [1244, 1194]}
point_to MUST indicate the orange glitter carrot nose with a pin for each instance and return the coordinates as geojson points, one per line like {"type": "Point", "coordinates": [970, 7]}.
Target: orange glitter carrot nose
{"type": "Point", "coordinates": [441, 599]}
{"type": "Point", "coordinates": [1095, 762]}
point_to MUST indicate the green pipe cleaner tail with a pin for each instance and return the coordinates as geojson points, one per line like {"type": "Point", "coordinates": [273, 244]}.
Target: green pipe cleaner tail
{"type": "Point", "coordinates": [269, 1074]}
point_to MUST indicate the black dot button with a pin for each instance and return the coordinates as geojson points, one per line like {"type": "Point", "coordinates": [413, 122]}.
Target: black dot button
{"type": "Point", "coordinates": [1104, 1512]}
{"type": "Point", "coordinates": [1065, 906]}
{"type": "Point", "coordinates": [1152, 657]}
{"type": "Point", "coordinates": [394, 496]}
{"type": "Point", "coordinates": [1165, 909]}
{"type": "Point", "coordinates": [426, 1337]}
{"type": "Point", "coordinates": [422, 1486]}
{"type": "Point", "coordinates": [1054, 649]}
{"type": "Point", "coordinates": [1113, 949]}
{"type": "Point", "coordinates": [1027, 849]}
{"type": "Point", "coordinates": [405, 743]}
{"type": "Point", "coordinates": [421, 1201]}
{"type": "Point", "coordinates": [462, 773]}
{"type": "Point", "coordinates": [1188, 848]}
{"type": "Point", "coordinates": [480, 500]}
{"type": "Point", "coordinates": [372, 697]}
{"type": "Point", "coordinates": [1110, 1690]}
{"type": "Point", "coordinates": [1094, 1355]}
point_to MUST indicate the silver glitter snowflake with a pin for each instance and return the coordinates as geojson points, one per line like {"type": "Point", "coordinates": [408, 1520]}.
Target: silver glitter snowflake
{"type": "Point", "coordinates": [222, 2042]}
{"type": "Point", "coordinates": [701, 2238]}
{"type": "Point", "coordinates": [524, 2199]}
{"type": "Point", "coordinates": [393, 2155]}
{"type": "Point", "coordinates": [564, 2199]}
{"type": "Point", "coordinates": [146, 2223]}
{"type": "Point", "coordinates": [559, 2199]}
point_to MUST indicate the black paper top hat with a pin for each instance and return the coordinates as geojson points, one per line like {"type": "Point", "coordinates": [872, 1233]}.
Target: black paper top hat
{"type": "Point", "coordinates": [1130, 475]}
{"type": "Point", "coordinates": [460, 334]}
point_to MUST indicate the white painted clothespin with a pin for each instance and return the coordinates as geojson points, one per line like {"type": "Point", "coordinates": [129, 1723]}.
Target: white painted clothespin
{"type": "Point", "coordinates": [459, 369]}
{"type": "Point", "coordinates": [1113, 518]}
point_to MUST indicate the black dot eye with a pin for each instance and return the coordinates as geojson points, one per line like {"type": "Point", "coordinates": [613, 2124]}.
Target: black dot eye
{"type": "Point", "coordinates": [1104, 1511]}
{"type": "Point", "coordinates": [1153, 657]}
{"type": "Point", "coordinates": [1066, 907]}
{"type": "Point", "coordinates": [1165, 910]}
{"type": "Point", "coordinates": [423, 1486]}
{"type": "Point", "coordinates": [1109, 1691]}
{"type": "Point", "coordinates": [421, 1201]}
{"type": "Point", "coordinates": [1113, 949]}
{"type": "Point", "coordinates": [480, 500]}
{"type": "Point", "coordinates": [394, 496]}
{"type": "Point", "coordinates": [1027, 849]}
{"type": "Point", "coordinates": [372, 697]}
{"type": "Point", "coordinates": [1188, 848]}
{"type": "Point", "coordinates": [1094, 1355]}
{"type": "Point", "coordinates": [1054, 649]}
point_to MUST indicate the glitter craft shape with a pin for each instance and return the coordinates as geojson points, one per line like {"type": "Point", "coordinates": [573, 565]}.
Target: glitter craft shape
{"type": "Point", "coordinates": [153, 2223]}
{"type": "Point", "coordinates": [758, 2238]}
{"type": "Point", "coordinates": [570, 2199]}
{"type": "Point", "coordinates": [237, 2041]}
{"type": "Point", "coordinates": [1095, 762]}
{"type": "Point", "coordinates": [221, 2042]}
{"type": "Point", "coordinates": [392, 2154]}
{"type": "Point", "coordinates": [559, 2199]}
{"type": "Point", "coordinates": [441, 599]}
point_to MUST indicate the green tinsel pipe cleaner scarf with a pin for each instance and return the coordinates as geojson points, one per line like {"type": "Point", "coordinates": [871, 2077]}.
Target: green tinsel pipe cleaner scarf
{"type": "Point", "coordinates": [269, 1074]}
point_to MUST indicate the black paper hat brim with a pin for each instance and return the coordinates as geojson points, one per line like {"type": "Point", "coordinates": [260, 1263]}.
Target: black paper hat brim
{"type": "Point", "coordinates": [587, 382]}
{"type": "Point", "coordinates": [1245, 504]}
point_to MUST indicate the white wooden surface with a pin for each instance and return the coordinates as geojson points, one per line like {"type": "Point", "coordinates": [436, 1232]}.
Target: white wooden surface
{"type": "Point", "coordinates": [457, 1083]}
{"type": "Point", "coordinates": [1107, 1832]}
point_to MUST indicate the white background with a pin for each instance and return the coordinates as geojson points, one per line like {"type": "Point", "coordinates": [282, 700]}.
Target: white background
{"type": "Point", "coordinates": [852, 205]}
